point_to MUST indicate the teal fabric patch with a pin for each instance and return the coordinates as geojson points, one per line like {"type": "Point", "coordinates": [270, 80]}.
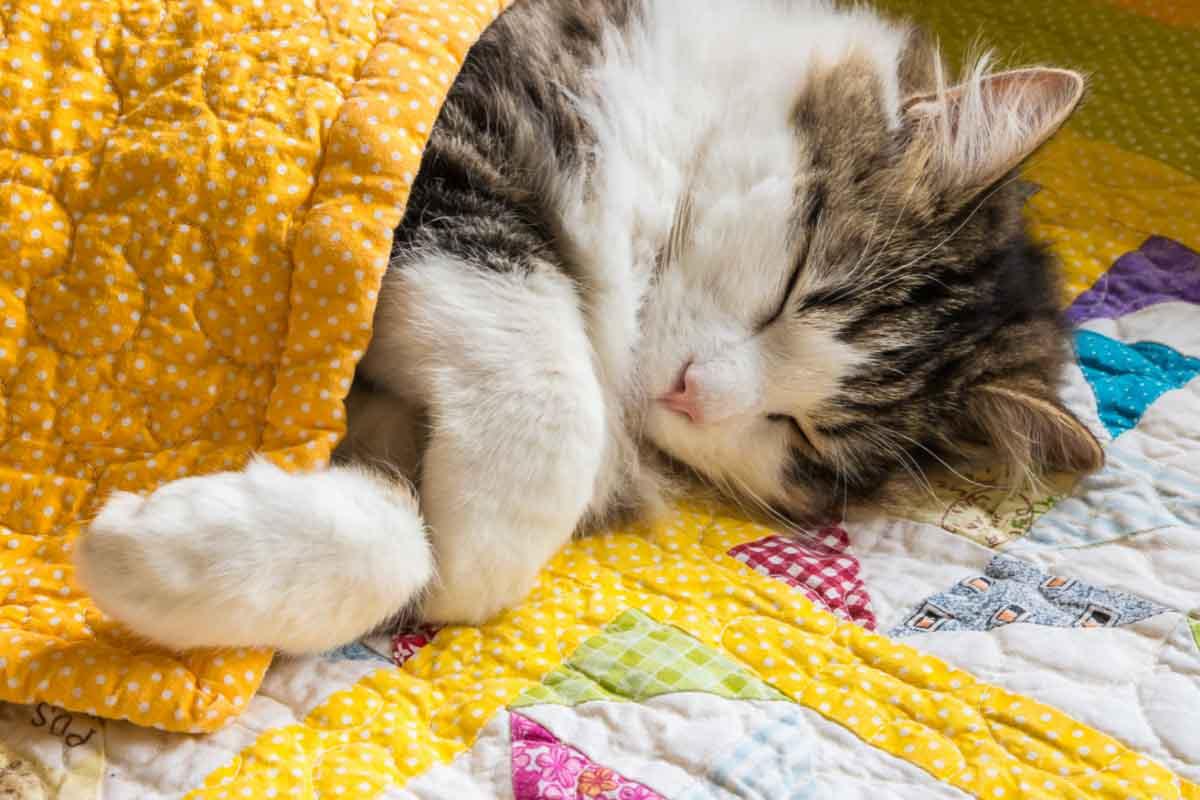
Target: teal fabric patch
{"type": "Point", "coordinates": [1128, 378]}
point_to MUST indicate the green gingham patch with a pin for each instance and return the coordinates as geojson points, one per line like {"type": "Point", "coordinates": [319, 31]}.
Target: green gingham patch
{"type": "Point", "coordinates": [563, 686]}
{"type": "Point", "coordinates": [636, 658]}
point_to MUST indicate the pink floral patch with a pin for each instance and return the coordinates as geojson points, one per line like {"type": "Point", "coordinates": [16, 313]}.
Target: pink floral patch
{"type": "Point", "coordinates": [405, 644]}
{"type": "Point", "coordinates": [598, 782]}
{"type": "Point", "coordinates": [543, 768]}
{"type": "Point", "coordinates": [822, 567]}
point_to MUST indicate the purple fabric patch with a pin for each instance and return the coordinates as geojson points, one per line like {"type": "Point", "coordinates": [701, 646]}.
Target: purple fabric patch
{"type": "Point", "coordinates": [1159, 271]}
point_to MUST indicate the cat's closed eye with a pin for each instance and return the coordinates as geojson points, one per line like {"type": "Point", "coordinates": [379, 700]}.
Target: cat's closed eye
{"type": "Point", "coordinates": [788, 290]}
{"type": "Point", "coordinates": [796, 427]}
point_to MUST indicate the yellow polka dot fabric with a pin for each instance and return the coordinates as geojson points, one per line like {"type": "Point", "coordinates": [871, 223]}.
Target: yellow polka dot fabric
{"type": "Point", "coordinates": [1099, 202]}
{"type": "Point", "coordinates": [395, 724]}
{"type": "Point", "coordinates": [196, 207]}
{"type": "Point", "coordinates": [1102, 190]}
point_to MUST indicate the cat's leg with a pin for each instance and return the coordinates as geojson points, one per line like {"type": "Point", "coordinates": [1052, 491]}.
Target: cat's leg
{"type": "Point", "coordinates": [262, 557]}
{"type": "Point", "coordinates": [516, 415]}
{"type": "Point", "coordinates": [384, 431]}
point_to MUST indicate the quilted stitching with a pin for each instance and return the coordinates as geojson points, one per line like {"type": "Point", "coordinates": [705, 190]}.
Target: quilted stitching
{"type": "Point", "coordinates": [395, 724]}
{"type": "Point", "coordinates": [196, 206]}
{"type": "Point", "coordinates": [638, 658]}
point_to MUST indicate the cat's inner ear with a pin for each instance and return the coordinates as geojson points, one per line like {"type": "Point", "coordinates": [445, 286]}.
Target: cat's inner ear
{"type": "Point", "coordinates": [971, 135]}
{"type": "Point", "coordinates": [1031, 430]}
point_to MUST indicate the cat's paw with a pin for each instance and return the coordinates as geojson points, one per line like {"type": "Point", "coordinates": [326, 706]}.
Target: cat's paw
{"type": "Point", "coordinates": [300, 562]}
{"type": "Point", "coordinates": [476, 599]}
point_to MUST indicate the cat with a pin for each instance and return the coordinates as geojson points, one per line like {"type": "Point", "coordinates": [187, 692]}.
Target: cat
{"type": "Point", "coordinates": [762, 245]}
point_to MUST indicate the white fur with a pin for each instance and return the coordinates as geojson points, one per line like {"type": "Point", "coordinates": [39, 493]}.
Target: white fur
{"type": "Point", "coordinates": [517, 422]}
{"type": "Point", "coordinates": [667, 94]}
{"type": "Point", "coordinates": [301, 562]}
{"type": "Point", "coordinates": [532, 386]}
{"type": "Point", "coordinates": [990, 122]}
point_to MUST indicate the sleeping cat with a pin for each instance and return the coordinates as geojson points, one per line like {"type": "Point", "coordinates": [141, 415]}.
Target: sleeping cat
{"type": "Point", "coordinates": [764, 245]}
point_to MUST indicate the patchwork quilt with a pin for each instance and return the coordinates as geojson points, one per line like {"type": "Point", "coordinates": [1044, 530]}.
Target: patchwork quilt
{"type": "Point", "coordinates": [195, 196]}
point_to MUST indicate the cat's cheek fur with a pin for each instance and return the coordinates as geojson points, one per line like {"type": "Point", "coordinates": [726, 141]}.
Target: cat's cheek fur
{"type": "Point", "coordinates": [300, 562]}
{"type": "Point", "coordinates": [746, 456]}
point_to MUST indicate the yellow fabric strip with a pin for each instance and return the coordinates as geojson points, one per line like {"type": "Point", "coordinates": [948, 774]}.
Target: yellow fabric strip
{"type": "Point", "coordinates": [394, 724]}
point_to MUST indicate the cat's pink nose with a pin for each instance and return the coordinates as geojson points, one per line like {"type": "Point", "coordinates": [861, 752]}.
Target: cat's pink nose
{"type": "Point", "coordinates": [682, 399]}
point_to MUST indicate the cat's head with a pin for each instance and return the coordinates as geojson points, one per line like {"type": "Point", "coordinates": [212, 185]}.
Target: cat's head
{"type": "Point", "coordinates": [842, 308]}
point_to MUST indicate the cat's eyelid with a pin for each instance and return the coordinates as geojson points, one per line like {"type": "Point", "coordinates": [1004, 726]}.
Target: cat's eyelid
{"type": "Point", "coordinates": [797, 427]}
{"type": "Point", "coordinates": [787, 292]}
{"type": "Point", "coordinates": [814, 215]}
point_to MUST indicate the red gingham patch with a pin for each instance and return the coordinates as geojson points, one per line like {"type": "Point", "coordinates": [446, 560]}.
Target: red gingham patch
{"type": "Point", "coordinates": [406, 643]}
{"type": "Point", "coordinates": [821, 567]}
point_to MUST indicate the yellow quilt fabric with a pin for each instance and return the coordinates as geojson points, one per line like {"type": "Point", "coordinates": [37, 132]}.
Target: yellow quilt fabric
{"type": "Point", "coordinates": [1105, 184]}
{"type": "Point", "coordinates": [196, 205]}
{"type": "Point", "coordinates": [395, 724]}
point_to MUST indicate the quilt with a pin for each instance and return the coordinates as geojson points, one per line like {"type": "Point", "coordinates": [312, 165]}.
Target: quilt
{"type": "Point", "coordinates": [181, 175]}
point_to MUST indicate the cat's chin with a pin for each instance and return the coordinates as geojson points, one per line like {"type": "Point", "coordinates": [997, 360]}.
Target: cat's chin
{"type": "Point", "coordinates": [668, 431]}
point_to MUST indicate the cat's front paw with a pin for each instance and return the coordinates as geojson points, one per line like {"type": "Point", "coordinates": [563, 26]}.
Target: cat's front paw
{"type": "Point", "coordinates": [139, 566]}
{"type": "Point", "coordinates": [301, 562]}
{"type": "Point", "coordinates": [473, 601]}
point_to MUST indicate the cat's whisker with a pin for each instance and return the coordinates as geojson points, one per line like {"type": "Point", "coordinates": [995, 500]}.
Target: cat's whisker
{"type": "Point", "coordinates": [845, 484]}
{"type": "Point", "coordinates": [912, 467]}
{"type": "Point", "coordinates": [896, 224]}
{"type": "Point", "coordinates": [866, 252]}
{"type": "Point", "coordinates": [732, 493]}
{"type": "Point", "coordinates": [763, 505]}
{"type": "Point", "coordinates": [897, 273]}
{"type": "Point", "coordinates": [878, 437]}
{"type": "Point", "coordinates": [854, 271]}
{"type": "Point", "coordinates": [943, 242]}
{"type": "Point", "coordinates": [944, 463]}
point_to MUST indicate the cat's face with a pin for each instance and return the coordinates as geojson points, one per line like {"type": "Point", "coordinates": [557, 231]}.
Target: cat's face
{"type": "Point", "coordinates": [839, 305]}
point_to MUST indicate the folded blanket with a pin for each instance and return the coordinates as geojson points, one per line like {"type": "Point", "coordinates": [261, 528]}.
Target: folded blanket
{"type": "Point", "coordinates": [196, 207]}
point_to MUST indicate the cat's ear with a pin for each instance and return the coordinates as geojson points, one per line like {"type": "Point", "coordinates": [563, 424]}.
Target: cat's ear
{"type": "Point", "coordinates": [971, 135]}
{"type": "Point", "coordinates": [1031, 430]}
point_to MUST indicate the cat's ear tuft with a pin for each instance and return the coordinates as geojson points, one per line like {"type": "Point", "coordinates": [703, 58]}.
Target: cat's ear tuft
{"type": "Point", "coordinates": [1031, 430]}
{"type": "Point", "coordinates": [976, 132]}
